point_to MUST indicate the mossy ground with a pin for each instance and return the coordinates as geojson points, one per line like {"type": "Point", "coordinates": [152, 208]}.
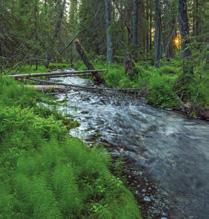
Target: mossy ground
{"type": "Point", "coordinates": [45, 173]}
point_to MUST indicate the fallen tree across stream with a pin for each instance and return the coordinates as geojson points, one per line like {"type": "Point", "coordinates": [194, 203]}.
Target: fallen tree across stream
{"type": "Point", "coordinates": [48, 88]}
{"type": "Point", "coordinates": [55, 74]}
{"type": "Point", "coordinates": [133, 91]}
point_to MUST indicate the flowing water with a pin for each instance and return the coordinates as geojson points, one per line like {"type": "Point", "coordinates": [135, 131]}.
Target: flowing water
{"type": "Point", "coordinates": [168, 154]}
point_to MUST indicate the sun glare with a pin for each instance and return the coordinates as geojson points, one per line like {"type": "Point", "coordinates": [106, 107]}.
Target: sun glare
{"type": "Point", "coordinates": [177, 41]}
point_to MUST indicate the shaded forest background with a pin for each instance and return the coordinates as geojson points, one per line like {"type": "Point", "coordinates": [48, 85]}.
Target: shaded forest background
{"type": "Point", "coordinates": [39, 31]}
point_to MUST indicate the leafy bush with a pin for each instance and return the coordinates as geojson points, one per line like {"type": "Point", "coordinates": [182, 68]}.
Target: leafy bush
{"type": "Point", "coordinates": [167, 69]}
{"type": "Point", "coordinates": [196, 91]}
{"type": "Point", "coordinates": [159, 86]}
{"type": "Point", "coordinates": [160, 91]}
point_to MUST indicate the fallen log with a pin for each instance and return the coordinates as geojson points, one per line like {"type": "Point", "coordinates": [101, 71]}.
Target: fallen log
{"type": "Point", "coordinates": [73, 75]}
{"type": "Point", "coordinates": [97, 78]}
{"type": "Point", "coordinates": [54, 74]}
{"type": "Point", "coordinates": [47, 88]}
{"type": "Point", "coordinates": [133, 91]}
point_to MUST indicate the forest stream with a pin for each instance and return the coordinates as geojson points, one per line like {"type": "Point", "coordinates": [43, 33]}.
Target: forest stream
{"type": "Point", "coordinates": [167, 155]}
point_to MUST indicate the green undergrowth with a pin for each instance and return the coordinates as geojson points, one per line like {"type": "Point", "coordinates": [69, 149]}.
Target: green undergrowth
{"type": "Point", "coordinates": [162, 85]}
{"type": "Point", "coordinates": [45, 173]}
{"type": "Point", "coordinates": [158, 83]}
{"type": "Point", "coordinates": [26, 68]}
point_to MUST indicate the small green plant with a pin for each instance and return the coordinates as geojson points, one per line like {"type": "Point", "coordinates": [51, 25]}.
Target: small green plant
{"type": "Point", "coordinates": [160, 91]}
{"type": "Point", "coordinates": [167, 69]}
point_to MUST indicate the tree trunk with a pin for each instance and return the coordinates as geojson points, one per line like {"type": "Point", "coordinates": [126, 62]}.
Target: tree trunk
{"type": "Point", "coordinates": [135, 23]}
{"type": "Point", "coordinates": [150, 25]}
{"type": "Point", "coordinates": [158, 33]}
{"type": "Point", "coordinates": [86, 61]}
{"type": "Point", "coordinates": [57, 28]}
{"type": "Point", "coordinates": [108, 30]}
{"type": "Point", "coordinates": [184, 29]}
{"type": "Point", "coordinates": [170, 21]}
{"type": "Point", "coordinates": [142, 27]}
{"type": "Point", "coordinates": [73, 23]}
{"type": "Point", "coordinates": [60, 8]}
{"type": "Point", "coordinates": [147, 46]}
{"type": "Point", "coordinates": [36, 32]}
{"type": "Point", "coordinates": [196, 18]}
{"type": "Point", "coordinates": [73, 14]}
{"type": "Point", "coordinates": [55, 74]}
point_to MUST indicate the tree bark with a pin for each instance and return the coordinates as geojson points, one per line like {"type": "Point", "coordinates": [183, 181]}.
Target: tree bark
{"type": "Point", "coordinates": [36, 32]}
{"type": "Point", "coordinates": [60, 8]}
{"type": "Point", "coordinates": [73, 14]}
{"type": "Point", "coordinates": [135, 23]}
{"type": "Point", "coordinates": [86, 61]}
{"type": "Point", "coordinates": [196, 18]}
{"type": "Point", "coordinates": [169, 23]}
{"type": "Point", "coordinates": [147, 46]}
{"type": "Point", "coordinates": [150, 25]}
{"type": "Point", "coordinates": [108, 30]}
{"type": "Point", "coordinates": [184, 29]}
{"type": "Point", "coordinates": [55, 74]}
{"type": "Point", "coordinates": [158, 33]}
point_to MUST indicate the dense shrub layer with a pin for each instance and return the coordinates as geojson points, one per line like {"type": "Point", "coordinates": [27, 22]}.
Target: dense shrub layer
{"type": "Point", "coordinates": [44, 173]}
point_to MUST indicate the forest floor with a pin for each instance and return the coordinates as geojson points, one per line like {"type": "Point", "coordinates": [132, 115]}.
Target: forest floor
{"type": "Point", "coordinates": [44, 172]}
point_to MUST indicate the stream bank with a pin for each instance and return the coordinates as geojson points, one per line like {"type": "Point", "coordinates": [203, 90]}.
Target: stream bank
{"type": "Point", "coordinates": [44, 172]}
